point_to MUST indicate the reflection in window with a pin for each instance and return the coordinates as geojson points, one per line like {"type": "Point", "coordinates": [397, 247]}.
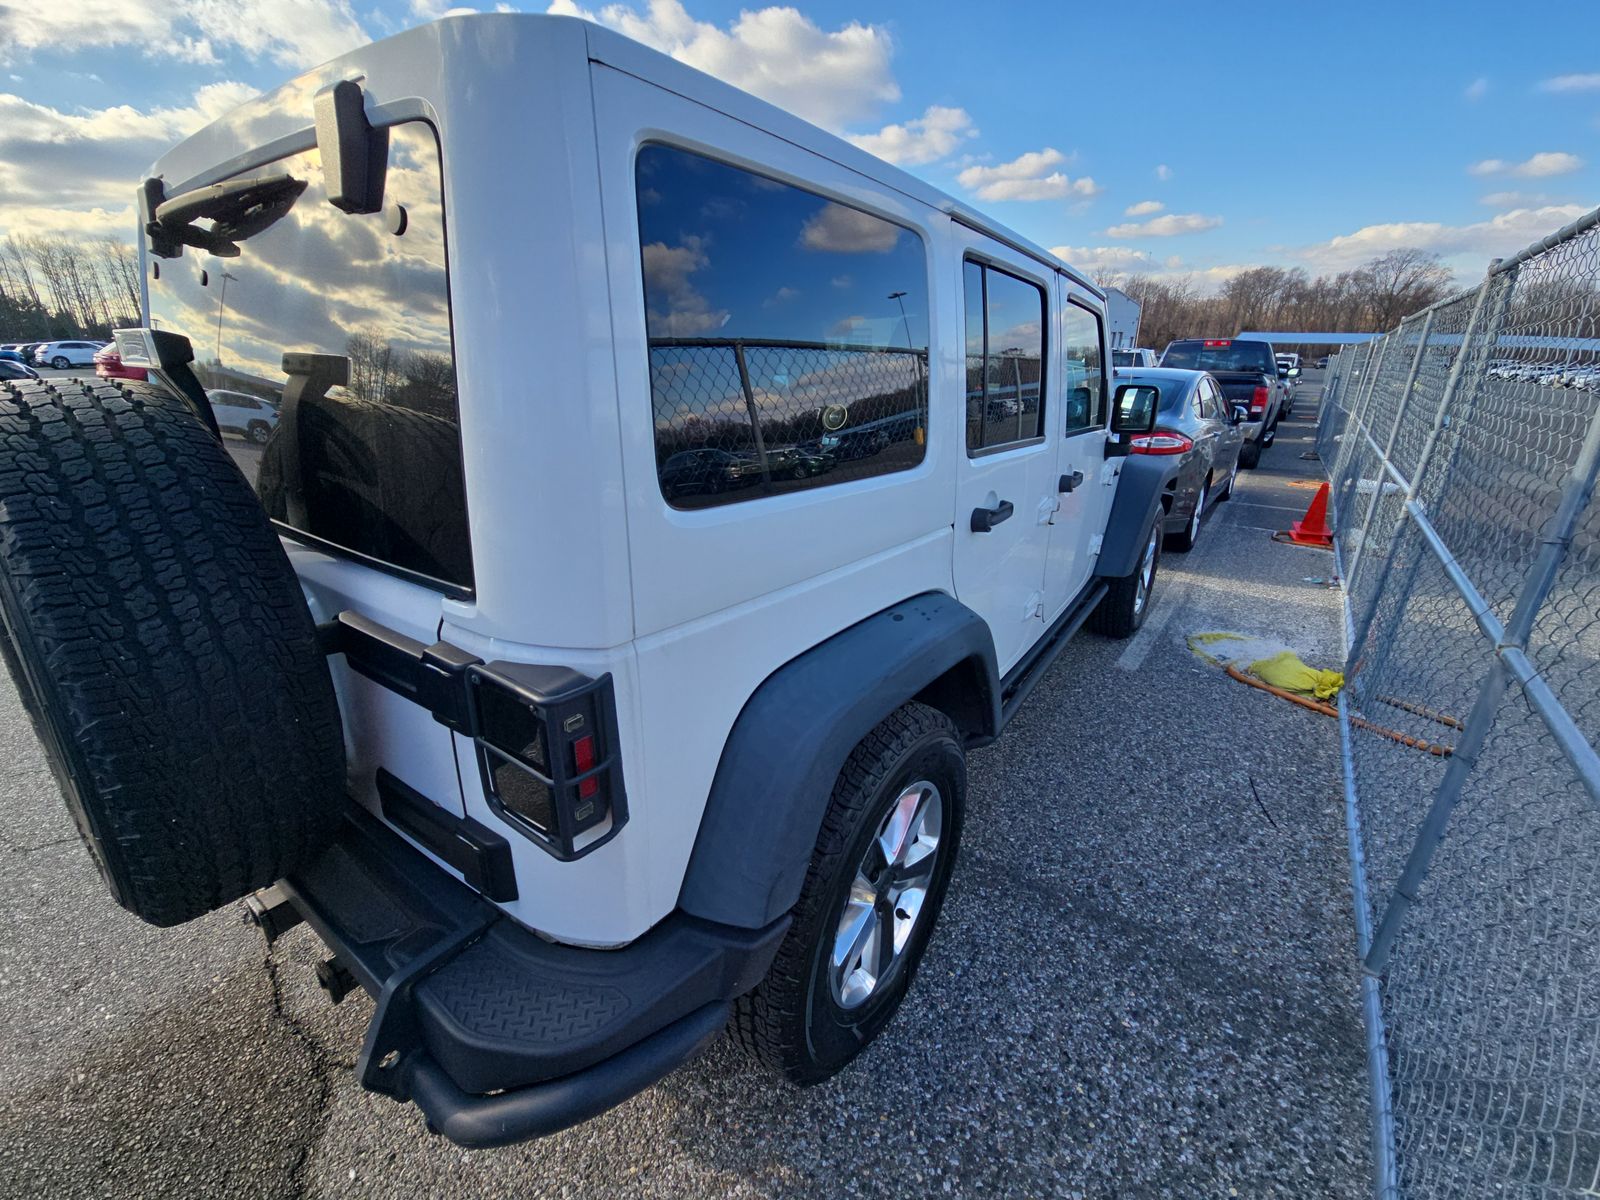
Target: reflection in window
{"type": "Point", "coordinates": [375, 466]}
{"type": "Point", "coordinates": [788, 334]}
{"type": "Point", "coordinates": [1005, 358]}
{"type": "Point", "coordinates": [1085, 377]}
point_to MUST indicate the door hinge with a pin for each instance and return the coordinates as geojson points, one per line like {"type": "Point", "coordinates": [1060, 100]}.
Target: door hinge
{"type": "Point", "coordinates": [1095, 543]}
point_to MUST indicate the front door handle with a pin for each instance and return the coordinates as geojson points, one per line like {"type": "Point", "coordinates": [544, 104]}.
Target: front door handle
{"type": "Point", "coordinates": [1070, 482]}
{"type": "Point", "coordinates": [985, 519]}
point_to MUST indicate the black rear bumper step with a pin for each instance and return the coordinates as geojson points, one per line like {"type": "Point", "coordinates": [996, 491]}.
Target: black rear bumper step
{"type": "Point", "coordinates": [495, 1033]}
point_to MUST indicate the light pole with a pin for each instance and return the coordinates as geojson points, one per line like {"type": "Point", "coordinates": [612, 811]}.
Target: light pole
{"type": "Point", "coordinates": [222, 303]}
{"type": "Point", "coordinates": [899, 297]}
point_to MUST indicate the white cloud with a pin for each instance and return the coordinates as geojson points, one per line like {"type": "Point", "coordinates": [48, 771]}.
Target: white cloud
{"type": "Point", "coordinates": [928, 138]}
{"type": "Point", "coordinates": [686, 313]}
{"type": "Point", "coordinates": [1477, 89]}
{"type": "Point", "coordinates": [834, 78]}
{"type": "Point", "coordinates": [1572, 83]}
{"type": "Point", "coordinates": [1171, 225]}
{"type": "Point", "coordinates": [839, 229]}
{"type": "Point", "coordinates": [1539, 166]}
{"type": "Point", "coordinates": [1027, 177]}
{"type": "Point", "coordinates": [292, 33]}
{"type": "Point", "coordinates": [77, 172]}
{"type": "Point", "coordinates": [1105, 259]}
{"type": "Point", "coordinates": [1163, 172]}
{"type": "Point", "coordinates": [1144, 208]}
{"type": "Point", "coordinates": [1504, 200]}
{"type": "Point", "coordinates": [1503, 234]}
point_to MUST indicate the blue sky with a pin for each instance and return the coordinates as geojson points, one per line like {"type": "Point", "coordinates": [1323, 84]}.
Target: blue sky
{"type": "Point", "coordinates": [1163, 137]}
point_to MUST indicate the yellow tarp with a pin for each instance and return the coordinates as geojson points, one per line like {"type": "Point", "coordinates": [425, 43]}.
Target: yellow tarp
{"type": "Point", "coordinates": [1270, 662]}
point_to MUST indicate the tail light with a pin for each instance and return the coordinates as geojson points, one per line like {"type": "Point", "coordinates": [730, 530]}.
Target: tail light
{"type": "Point", "coordinates": [1258, 402]}
{"type": "Point", "coordinates": [548, 751]}
{"type": "Point", "coordinates": [1218, 342]}
{"type": "Point", "coordinates": [1161, 441]}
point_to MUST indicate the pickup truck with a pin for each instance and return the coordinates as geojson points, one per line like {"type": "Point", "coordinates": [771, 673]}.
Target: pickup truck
{"type": "Point", "coordinates": [1248, 373]}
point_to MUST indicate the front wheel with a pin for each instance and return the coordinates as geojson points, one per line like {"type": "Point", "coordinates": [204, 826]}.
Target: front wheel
{"type": "Point", "coordinates": [873, 891]}
{"type": "Point", "coordinates": [1122, 610]}
{"type": "Point", "coordinates": [1250, 455]}
{"type": "Point", "coordinates": [259, 432]}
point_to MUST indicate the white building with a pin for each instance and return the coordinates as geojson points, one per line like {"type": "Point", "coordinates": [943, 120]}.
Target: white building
{"type": "Point", "coordinates": [1122, 319]}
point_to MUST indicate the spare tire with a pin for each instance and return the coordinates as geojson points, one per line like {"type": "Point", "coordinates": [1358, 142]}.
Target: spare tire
{"type": "Point", "coordinates": [162, 647]}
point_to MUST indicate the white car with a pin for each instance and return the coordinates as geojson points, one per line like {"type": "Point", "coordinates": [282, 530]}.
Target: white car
{"type": "Point", "coordinates": [241, 413]}
{"type": "Point", "coordinates": [1136, 357]}
{"type": "Point", "coordinates": [62, 355]}
{"type": "Point", "coordinates": [572, 749]}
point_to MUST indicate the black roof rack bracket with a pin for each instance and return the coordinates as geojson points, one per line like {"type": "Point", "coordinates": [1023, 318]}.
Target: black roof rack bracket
{"type": "Point", "coordinates": [355, 156]}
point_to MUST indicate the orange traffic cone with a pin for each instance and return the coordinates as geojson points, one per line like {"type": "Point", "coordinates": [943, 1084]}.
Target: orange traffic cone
{"type": "Point", "coordinates": [1312, 529]}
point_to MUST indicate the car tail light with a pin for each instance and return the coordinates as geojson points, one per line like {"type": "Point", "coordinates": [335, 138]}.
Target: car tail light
{"type": "Point", "coordinates": [1258, 402]}
{"type": "Point", "coordinates": [1161, 441]}
{"type": "Point", "coordinates": [548, 750]}
{"type": "Point", "coordinates": [1218, 342]}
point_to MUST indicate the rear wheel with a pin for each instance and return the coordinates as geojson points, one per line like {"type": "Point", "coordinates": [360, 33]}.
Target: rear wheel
{"type": "Point", "coordinates": [872, 894]}
{"type": "Point", "coordinates": [60, 363]}
{"type": "Point", "coordinates": [162, 647]}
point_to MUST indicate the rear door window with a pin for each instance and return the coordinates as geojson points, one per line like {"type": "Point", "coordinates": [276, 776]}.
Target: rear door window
{"type": "Point", "coordinates": [373, 468]}
{"type": "Point", "coordinates": [1005, 358]}
{"type": "Point", "coordinates": [788, 333]}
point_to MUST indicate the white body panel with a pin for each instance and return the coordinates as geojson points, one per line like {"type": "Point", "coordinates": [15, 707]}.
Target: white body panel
{"type": "Point", "coordinates": [578, 559]}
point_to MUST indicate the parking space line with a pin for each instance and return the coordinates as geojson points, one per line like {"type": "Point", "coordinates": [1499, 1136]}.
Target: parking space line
{"type": "Point", "coordinates": [1137, 650]}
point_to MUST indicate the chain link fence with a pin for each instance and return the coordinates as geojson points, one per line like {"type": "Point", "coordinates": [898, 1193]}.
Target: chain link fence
{"type": "Point", "coordinates": [1462, 450]}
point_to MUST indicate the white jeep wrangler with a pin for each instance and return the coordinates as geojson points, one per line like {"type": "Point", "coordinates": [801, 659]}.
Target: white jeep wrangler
{"type": "Point", "coordinates": [661, 503]}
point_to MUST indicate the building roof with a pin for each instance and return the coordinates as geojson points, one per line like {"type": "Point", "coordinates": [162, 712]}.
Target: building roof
{"type": "Point", "coordinates": [1307, 339]}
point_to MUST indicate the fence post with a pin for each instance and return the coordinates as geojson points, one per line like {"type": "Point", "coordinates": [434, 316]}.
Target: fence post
{"type": "Point", "coordinates": [1363, 624]}
{"type": "Point", "coordinates": [750, 406]}
{"type": "Point", "coordinates": [1388, 448]}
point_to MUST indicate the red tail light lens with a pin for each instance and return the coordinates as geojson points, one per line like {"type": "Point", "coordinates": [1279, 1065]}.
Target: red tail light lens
{"type": "Point", "coordinates": [1218, 342]}
{"type": "Point", "coordinates": [1258, 402]}
{"type": "Point", "coordinates": [583, 760]}
{"type": "Point", "coordinates": [1161, 441]}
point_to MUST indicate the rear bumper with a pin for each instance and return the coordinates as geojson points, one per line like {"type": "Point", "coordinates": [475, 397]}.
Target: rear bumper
{"type": "Point", "coordinates": [494, 1033]}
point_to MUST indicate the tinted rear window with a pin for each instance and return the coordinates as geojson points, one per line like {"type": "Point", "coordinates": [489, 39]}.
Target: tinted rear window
{"type": "Point", "coordinates": [375, 465]}
{"type": "Point", "coordinates": [1220, 356]}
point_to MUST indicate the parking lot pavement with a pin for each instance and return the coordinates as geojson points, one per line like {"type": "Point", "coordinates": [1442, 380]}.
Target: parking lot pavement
{"type": "Point", "coordinates": [1143, 981]}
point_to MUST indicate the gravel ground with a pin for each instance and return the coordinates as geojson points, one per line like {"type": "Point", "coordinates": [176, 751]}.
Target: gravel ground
{"type": "Point", "coordinates": [1143, 981]}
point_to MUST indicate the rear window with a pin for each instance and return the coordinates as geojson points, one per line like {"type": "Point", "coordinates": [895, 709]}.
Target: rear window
{"type": "Point", "coordinates": [1218, 355]}
{"type": "Point", "coordinates": [373, 468]}
{"type": "Point", "coordinates": [1124, 358]}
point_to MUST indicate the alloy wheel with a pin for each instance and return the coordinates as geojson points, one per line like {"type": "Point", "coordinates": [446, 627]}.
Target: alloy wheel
{"type": "Point", "coordinates": [887, 895]}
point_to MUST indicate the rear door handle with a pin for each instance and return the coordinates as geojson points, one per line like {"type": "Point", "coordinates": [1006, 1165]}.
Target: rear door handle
{"type": "Point", "coordinates": [1070, 482]}
{"type": "Point", "coordinates": [985, 519]}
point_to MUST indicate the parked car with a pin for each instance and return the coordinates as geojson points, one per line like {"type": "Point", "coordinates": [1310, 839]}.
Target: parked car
{"type": "Point", "coordinates": [15, 370]}
{"type": "Point", "coordinates": [62, 355]}
{"type": "Point", "coordinates": [1136, 357]}
{"type": "Point", "coordinates": [108, 364]}
{"type": "Point", "coordinates": [1248, 374]}
{"type": "Point", "coordinates": [7, 354]}
{"type": "Point", "coordinates": [1322, 363]}
{"type": "Point", "coordinates": [569, 777]}
{"type": "Point", "coordinates": [1198, 428]}
{"type": "Point", "coordinates": [241, 413]}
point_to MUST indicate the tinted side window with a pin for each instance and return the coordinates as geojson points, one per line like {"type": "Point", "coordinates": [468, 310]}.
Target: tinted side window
{"type": "Point", "coordinates": [1085, 382]}
{"type": "Point", "coordinates": [788, 334]}
{"type": "Point", "coordinates": [1005, 358]}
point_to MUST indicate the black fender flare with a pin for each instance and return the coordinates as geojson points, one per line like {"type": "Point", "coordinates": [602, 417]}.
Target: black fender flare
{"type": "Point", "coordinates": [791, 739]}
{"type": "Point", "coordinates": [1144, 479]}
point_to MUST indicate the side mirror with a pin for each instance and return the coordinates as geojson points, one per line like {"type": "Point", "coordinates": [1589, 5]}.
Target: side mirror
{"type": "Point", "coordinates": [1132, 412]}
{"type": "Point", "coordinates": [1238, 414]}
{"type": "Point", "coordinates": [1294, 372]}
{"type": "Point", "coordinates": [1283, 372]}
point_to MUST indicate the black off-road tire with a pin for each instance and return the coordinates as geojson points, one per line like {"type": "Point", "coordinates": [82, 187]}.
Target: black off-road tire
{"type": "Point", "coordinates": [791, 1022]}
{"type": "Point", "coordinates": [161, 647]}
{"type": "Point", "coordinates": [1250, 455]}
{"type": "Point", "coordinates": [1120, 613]}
